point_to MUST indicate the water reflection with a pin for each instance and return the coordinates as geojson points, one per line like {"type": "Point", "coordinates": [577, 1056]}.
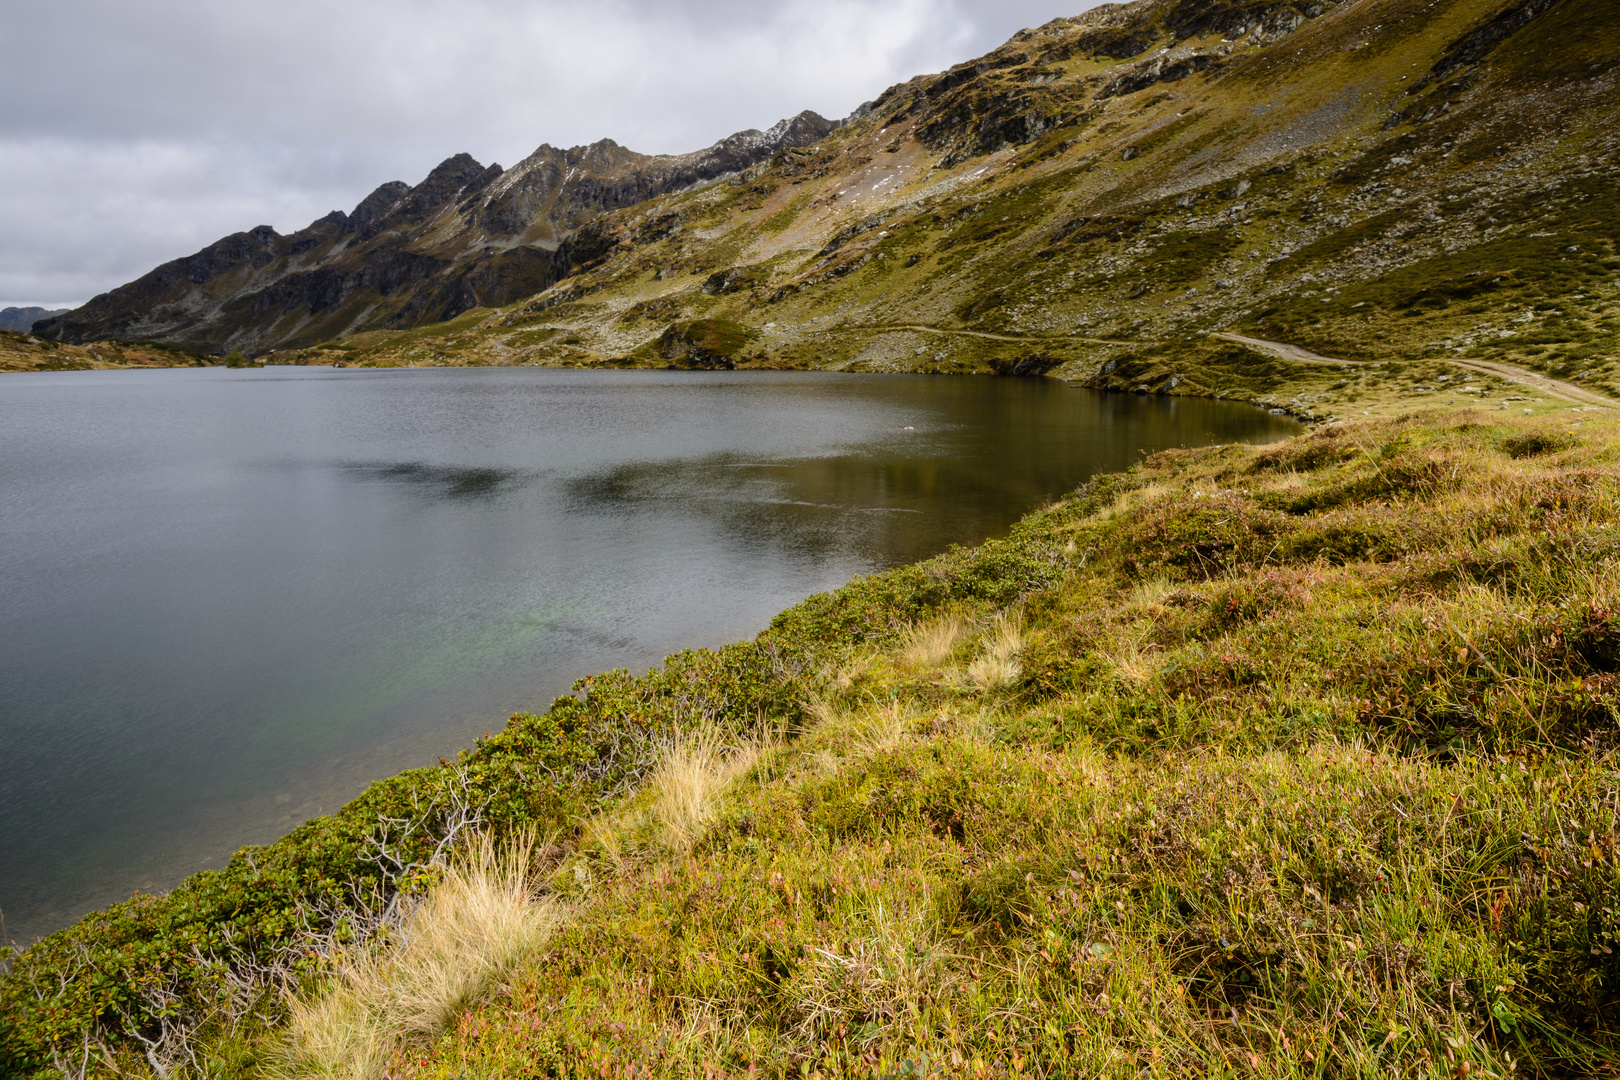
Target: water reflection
{"type": "Point", "coordinates": [448, 482]}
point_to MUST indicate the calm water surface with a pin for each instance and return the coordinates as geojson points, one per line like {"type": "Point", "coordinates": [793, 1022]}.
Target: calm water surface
{"type": "Point", "coordinates": [230, 599]}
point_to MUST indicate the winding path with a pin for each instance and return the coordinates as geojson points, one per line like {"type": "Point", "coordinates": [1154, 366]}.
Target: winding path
{"type": "Point", "coordinates": [1555, 388]}
{"type": "Point", "coordinates": [1286, 351]}
{"type": "Point", "coordinates": [1563, 391]}
{"type": "Point", "coordinates": [1552, 387]}
{"type": "Point", "coordinates": [884, 327]}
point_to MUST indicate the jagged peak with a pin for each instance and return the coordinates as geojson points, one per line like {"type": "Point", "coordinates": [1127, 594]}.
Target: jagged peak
{"type": "Point", "coordinates": [380, 200]}
{"type": "Point", "coordinates": [798, 130]}
{"type": "Point", "coordinates": [604, 153]}
{"type": "Point", "coordinates": [454, 164]}
{"type": "Point", "coordinates": [455, 173]}
{"type": "Point", "coordinates": [806, 119]}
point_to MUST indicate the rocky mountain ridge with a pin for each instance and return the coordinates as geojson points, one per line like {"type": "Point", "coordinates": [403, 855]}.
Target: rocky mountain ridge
{"type": "Point", "coordinates": [974, 817]}
{"type": "Point", "coordinates": [466, 236]}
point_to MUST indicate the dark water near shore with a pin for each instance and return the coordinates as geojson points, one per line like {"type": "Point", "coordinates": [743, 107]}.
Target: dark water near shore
{"type": "Point", "coordinates": [230, 599]}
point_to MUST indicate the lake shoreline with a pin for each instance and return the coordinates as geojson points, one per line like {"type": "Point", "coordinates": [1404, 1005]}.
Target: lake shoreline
{"type": "Point", "coordinates": [224, 499]}
{"type": "Point", "coordinates": [1156, 527]}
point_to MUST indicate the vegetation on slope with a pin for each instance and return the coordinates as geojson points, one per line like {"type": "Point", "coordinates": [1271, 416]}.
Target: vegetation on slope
{"type": "Point", "coordinates": [1285, 760]}
{"type": "Point", "coordinates": [1382, 182]}
{"type": "Point", "coordinates": [1303, 766]}
{"type": "Point", "coordinates": [1423, 192]}
{"type": "Point", "coordinates": [26, 352]}
{"type": "Point", "coordinates": [1291, 760]}
{"type": "Point", "coordinates": [1392, 182]}
{"type": "Point", "coordinates": [466, 235]}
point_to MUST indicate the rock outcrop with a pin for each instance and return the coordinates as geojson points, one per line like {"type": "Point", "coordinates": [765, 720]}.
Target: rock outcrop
{"type": "Point", "coordinates": [1097, 200]}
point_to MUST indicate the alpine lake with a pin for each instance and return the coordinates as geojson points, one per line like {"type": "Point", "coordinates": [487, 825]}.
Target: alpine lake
{"type": "Point", "coordinates": [230, 599]}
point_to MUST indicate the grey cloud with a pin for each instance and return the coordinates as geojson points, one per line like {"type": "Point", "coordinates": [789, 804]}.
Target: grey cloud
{"type": "Point", "coordinates": [135, 133]}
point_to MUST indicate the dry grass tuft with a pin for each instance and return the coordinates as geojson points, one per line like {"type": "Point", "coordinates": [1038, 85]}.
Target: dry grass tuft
{"type": "Point", "coordinates": [879, 729]}
{"type": "Point", "coordinates": [930, 644]}
{"type": "Point", "coordinates": [1149, 594]}
{"type": "Point", "coordinates": [821, 710]}
{"type": "Point", "coordinates": [465, 935]}
{"type": "Point", "coordinates": [998, 664]}
{"type": "Point", "coordinates": [604, 834]}
{"type": "Point", "coordinates": [893, 971]}
{"type": "Point", "coordinates": [688, 784]}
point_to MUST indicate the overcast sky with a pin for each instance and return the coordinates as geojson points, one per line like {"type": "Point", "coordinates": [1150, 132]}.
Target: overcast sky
{"type": "Point", "coordinates": [135, 133]}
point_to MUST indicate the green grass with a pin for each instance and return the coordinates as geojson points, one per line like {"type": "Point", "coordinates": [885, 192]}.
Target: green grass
{"type": "Point", "coordinates": [1307, 769]}
{"type": "Point", "coordinates": [1296, 760]}
{"type": "Point", "coordinates": [1292, 761]}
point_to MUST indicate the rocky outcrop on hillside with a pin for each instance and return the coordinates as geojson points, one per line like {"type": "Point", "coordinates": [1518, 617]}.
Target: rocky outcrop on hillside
{"type": "Point", "coordinates": [467, 236]}
{"type": "Point", "coordinates": [1128, 197]}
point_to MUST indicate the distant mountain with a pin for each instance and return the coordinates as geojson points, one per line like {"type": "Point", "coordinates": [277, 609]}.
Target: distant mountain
{"type": "Point", "coordinates": [22, 319]}
{"type": "Point", "coordinates": [465, 237]}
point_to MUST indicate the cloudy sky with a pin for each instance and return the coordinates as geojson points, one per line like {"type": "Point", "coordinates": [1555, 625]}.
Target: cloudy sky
{"type": "Point", "coordinates": [134, 133]}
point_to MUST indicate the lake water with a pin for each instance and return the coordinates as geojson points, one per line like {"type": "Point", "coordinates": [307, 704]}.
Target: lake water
{"type": "Point", "coordinates": [229, 599]}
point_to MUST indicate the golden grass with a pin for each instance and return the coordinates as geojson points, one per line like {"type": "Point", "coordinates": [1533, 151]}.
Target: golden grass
{"type": "Point", "coordinates": [821, 710]}
{"type": "Point", "coordinates": [1268, 816]}
{"type": "Point", "coordinates": [930, 644]}
{"type": "Point", "coordinates": [889, 969]}
{"type": "Point", "coordinates": [998, 664]}
{"type": "Point", "coordinates": [460, 939]}
{"type": "Point", "coordinates": [689, 782]}
{"type": "Point", "coordinates": [875, 730]}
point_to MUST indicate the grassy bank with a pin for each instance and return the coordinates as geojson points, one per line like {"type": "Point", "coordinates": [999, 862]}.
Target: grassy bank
{"type": "Point", "coordinates": [1295, 760]}
{"type": "Point", "coordinates": [25, 352]}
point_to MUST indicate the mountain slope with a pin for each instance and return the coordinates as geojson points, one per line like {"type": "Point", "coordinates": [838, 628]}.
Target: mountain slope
{"type": "Point", "coordinates": [465, 236]}
{"type": "Point", "coordinates": [25, 352]}
{"type": "Point", "coordinates": [1422, 189]}
{"type": "Point", "coordinates": [1419, 181]}
{"type": "Point", "coordinates": [1283, 761]}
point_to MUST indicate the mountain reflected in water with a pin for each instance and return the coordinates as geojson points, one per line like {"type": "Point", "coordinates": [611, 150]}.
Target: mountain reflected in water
{"type": "Point", "coordinates": [446, 482]}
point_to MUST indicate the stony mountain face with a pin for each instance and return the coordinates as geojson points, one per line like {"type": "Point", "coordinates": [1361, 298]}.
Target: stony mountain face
{"type": "Point", "coordinates": [466, 236]}
{"type": "Point", "coordinates": [22, 319]}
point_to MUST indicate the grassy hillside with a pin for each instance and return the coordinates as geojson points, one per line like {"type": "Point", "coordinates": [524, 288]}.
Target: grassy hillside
{"type": "Point", "coordinates": [1295, 761]}
{"type": "Point", "coordinates": [1415, 188]}
{"type": "Point", "coordinates": [25, 352]}
{"type": "Point", "coordinates": [1291, 760]}
{"type": "Point", "coordinates": [1426, 186]}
